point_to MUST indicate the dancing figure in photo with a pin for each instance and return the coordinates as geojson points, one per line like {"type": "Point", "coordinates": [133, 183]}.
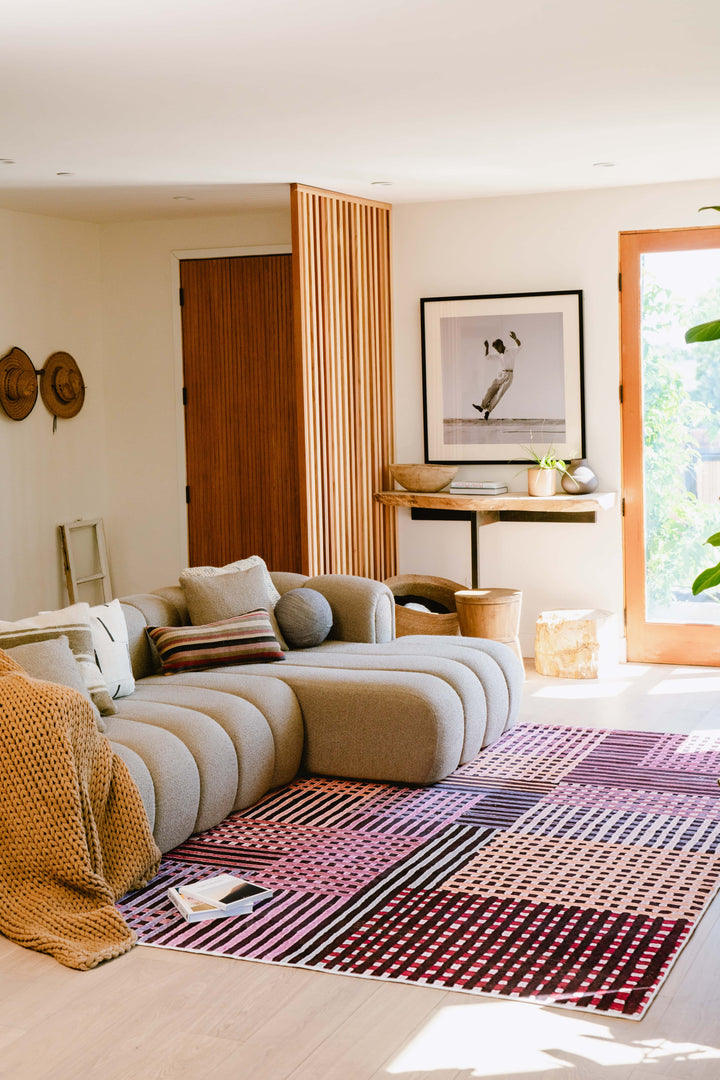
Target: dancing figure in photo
{"type": "Point", "coordinates": [506, 356]}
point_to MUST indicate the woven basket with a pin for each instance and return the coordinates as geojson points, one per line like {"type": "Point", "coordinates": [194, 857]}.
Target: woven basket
{"type": "Point", "coordinates": [408, 621]}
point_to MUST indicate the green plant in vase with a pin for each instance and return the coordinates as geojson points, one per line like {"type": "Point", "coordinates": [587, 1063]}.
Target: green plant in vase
{"type": "Point", "coordinates": [541, 475]}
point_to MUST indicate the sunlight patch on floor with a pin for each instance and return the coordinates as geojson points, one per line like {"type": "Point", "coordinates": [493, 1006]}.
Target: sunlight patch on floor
{"type": "Point", "coordinates": [699, 742]}
{"type": "Point", "coordinates": [584, 688]}
{"type": "Point", "coordinates": [707, 684]}
{"type": "Point", "coordinates": [635, 671]}
{"type": "Point", "coordinates": [484, 1038]}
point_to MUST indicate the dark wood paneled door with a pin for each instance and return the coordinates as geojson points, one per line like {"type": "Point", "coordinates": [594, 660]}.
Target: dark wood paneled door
{"type": "Point", "coordinates": [241, 412]}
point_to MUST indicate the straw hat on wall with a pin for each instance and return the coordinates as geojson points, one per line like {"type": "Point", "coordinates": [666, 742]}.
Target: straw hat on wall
{"type": "Point", "coordinates": [62, 386]}
{"type": "Point", "coordinates": [18, 384]}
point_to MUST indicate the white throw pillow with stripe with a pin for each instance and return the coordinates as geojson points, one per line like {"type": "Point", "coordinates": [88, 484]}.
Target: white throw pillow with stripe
{"type": "Point", "coordinates": [112, 654]}
{"type": "Point", "coordinates": [72, 622]}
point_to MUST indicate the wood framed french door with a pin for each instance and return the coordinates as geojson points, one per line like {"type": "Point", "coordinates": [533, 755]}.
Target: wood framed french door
{"type": "Point", "coordinates": [670, 281]}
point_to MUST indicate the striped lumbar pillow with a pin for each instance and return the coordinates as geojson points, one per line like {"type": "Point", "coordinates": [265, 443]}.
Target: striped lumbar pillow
{"type": "Point", "coordinates": [245, 639]}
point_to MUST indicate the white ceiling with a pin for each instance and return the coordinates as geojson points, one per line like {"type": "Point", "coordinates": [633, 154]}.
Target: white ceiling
{"type": "Point", "coordinates": [226, 101]}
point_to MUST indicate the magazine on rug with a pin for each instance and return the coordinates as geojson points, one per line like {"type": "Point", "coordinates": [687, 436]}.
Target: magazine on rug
{"type": "Point", "coordinates": [225, 891]}
{"type": "Point", "coordinates": [221, 896]}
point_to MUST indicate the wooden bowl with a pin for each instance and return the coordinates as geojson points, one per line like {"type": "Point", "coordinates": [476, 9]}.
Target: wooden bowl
{"type": "Point", "coordinates": [423, 477]}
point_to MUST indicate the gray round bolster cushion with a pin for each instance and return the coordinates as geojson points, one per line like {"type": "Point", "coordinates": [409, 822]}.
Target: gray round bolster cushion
{"type": "Point", "coordinates": [304, 617]}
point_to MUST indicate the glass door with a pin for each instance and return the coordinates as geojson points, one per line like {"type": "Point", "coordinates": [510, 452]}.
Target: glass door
{"type": "Point", "coordinates": [671, 442]}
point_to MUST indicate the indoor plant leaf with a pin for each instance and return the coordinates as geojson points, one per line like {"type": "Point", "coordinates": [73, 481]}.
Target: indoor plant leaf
{"type": "Point", "coordinates": [706, 580]}
{"type": "Point", "coordinates": [709, 331]}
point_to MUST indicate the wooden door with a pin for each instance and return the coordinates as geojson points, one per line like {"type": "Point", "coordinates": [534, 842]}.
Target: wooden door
{"type": "Point", "coordinates": [241, 411]}
{"type": "Point", "coordinates": [671, 442]}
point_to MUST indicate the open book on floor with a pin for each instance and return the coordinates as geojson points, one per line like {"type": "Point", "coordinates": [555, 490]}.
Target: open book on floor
{"type": "Point", "coordinates": [218, 897]}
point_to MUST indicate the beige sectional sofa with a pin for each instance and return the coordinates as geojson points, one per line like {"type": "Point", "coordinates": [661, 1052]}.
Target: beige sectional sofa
{"type": "Point", "coordinates": [362, 704]}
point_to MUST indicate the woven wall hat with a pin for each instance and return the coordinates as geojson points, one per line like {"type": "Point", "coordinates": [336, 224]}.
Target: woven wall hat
{"type": "Point", "coordinates": [62, 386]}
{"type": "Point", "coordinates": [18, 384]}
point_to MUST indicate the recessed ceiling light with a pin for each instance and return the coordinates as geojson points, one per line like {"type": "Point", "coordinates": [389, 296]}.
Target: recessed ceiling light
{"type": "Point", "coordinates": [6, 161]}
{"type": "Point", "coordinates": [381, 183]}
{"type": "Point", "coordinates": [64, 173]}
{"type": "Point", "coordinates": [183, 198]}
{"type": "Point", "coordinates": [603, 164]}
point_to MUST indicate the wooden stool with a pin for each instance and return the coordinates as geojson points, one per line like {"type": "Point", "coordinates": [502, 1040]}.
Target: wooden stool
{"type": "Point", "coordinates": [575, 644]}
{"type": "Point", "coordinates": [490, 613]}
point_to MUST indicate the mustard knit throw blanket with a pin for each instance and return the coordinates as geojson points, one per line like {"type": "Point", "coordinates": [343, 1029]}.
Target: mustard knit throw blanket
{"type": "Point", "coordinates": [74, 835]}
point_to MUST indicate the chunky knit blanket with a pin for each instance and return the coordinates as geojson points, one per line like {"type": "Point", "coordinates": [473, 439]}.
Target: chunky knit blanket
{"type": "Point", "coordinates": [74, 835]}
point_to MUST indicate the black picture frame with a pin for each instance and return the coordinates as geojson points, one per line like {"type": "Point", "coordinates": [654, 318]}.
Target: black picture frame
{"type": "Point", "coordinates": [501, 372]}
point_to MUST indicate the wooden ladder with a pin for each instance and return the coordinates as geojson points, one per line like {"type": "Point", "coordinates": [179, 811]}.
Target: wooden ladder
{"type": "Point", "coordinates": [85, 558]}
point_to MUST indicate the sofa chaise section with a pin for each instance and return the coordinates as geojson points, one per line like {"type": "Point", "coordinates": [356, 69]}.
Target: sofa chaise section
{"type": "Point", "coordinates": [361, 705]}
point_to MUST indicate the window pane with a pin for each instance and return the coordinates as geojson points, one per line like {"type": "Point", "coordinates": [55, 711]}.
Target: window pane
{"type": "Point", "coordinates": [681, 421]}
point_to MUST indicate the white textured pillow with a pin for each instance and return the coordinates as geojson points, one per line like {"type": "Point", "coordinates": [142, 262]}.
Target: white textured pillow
{"type": "Point", "coordinates": [241, 564]}
{"type": "Point", "coordinates": [112, 653]}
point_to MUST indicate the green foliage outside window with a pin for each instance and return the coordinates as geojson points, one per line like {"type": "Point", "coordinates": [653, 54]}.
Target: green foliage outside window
{"type": "Point", "coordinates": [708, 385]}
{"type": "Point", "coordinates": [675, 417]}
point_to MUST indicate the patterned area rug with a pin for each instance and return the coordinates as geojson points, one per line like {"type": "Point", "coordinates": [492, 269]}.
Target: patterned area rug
{"type": "Point", "coordinates": [562, 866]}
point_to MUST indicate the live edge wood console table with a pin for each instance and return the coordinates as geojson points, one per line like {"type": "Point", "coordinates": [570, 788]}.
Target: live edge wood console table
{"type": "Point", "coordinates": [487, 509]}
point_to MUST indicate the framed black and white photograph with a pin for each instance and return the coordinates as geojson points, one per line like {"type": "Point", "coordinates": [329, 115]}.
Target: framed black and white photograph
{"type": "Point", "coordinates": [501, 373]}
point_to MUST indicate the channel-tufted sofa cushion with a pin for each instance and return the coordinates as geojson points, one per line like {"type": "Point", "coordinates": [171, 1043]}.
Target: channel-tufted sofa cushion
{"type": "Point", "coordinates": [362, 704]}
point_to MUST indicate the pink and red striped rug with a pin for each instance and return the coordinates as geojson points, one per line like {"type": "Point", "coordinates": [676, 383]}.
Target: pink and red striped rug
{"type": "Point", "coordinates": [562, 866]}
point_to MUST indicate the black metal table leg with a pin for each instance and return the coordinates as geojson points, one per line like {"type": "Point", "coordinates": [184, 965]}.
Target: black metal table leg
{"type": "Point", "coordinates": [474, 568]}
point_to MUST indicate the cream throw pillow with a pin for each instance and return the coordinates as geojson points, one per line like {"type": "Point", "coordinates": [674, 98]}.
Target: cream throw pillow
{"type": "Point", "coordinates": [53, 661]}
{"type": "Point", "coordinates": [223, 596]}
{"type": "Point", "coordinates": [73, 623]}
{"type": "Point", "coordinates": [241, 564]}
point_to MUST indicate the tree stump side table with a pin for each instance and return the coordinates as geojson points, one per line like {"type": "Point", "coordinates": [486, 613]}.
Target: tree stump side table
{"type": "Point", "coordinates": [491, 613]}
{"type": "Point", "coordinates": [575, 644]}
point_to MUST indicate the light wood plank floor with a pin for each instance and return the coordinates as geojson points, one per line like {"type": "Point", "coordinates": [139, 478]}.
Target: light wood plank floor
{"type": "Point", "coordinates": [160, 1014]}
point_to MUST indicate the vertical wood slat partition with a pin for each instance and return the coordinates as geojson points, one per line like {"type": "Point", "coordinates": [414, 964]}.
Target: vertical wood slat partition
{"type": "Point", "coordinates": [343, 342]}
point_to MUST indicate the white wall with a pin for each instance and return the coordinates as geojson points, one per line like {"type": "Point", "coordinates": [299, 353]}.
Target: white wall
{"type": "Point", "coordinates": [146, 520]}
{"type": "Point", "coordinates": [104, 294]}
{"type": "Point", "coordinates": [50, 300]}
{"type": "Point", "coordinates": [528, 244]}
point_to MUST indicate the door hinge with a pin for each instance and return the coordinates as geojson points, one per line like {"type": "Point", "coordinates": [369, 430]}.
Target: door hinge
{"type": "Point", "coordinates": [619, 282]}
{"type": "Point", "coordinates": [622, 506]}
{"type": "Point", "coordinates": [187, 493]}
{"type": "Point", "coordinates": [184, 395]}
{"type": "Point", "coordinates": [181, 296]}
{"type": "Point", "coordinates": [620, 390]}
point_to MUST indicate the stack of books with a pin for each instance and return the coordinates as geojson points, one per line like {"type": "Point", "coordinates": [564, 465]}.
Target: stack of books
{"type": "Point", "coordinates": [218, 897]}
{"type": "Point", "coordinates": [478, 487]}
